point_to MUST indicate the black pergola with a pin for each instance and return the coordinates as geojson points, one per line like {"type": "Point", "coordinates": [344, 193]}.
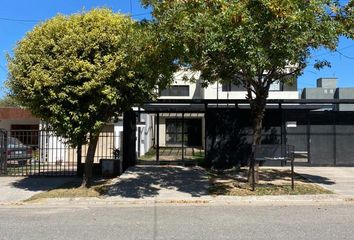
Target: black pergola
{"type": "Point", "coordinates": [186, 106]}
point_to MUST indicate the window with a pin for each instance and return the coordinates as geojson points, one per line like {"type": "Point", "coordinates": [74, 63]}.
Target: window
{"type": "Point", "coordinates": [229, 87]}
{"type": "Point", "coordinates": [176, 90]}
{"type": "Point", "coordinates": [174, 131]}
{"type": "Point", "coordinates": [275, 86]}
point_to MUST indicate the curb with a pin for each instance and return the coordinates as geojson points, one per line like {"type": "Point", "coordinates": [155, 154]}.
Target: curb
{"type": "Point", "coordinates": [282, 200]}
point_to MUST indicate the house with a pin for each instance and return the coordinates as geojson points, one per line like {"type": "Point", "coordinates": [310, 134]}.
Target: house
{"type": "Point", "coordinates": [48, 151]}
{"type": "Point", "coordinates": [327, 89]}
{"type": "Point", "coordinates": [215, 121]}
{"type": "Point", "coordinates": [170, 126]}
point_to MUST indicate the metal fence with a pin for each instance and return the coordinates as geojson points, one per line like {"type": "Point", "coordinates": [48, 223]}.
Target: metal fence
{"type": "Point", "coordinates": [42, 153]}
{"type": "Point", "coordinates": [321, 138]}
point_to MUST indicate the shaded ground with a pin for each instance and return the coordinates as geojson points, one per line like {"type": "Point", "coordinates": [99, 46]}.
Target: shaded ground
{"type": "Point", "coordinates": [21, 188]}
{"type": "Point", "coordinates": [272, 182]}
{"type": "Point", "coordinates": [161, 181]}
{"type": "Point", "coordinates": [176, 182]}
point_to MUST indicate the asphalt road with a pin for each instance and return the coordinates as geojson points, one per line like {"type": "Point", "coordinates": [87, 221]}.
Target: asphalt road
{"type": "Point", "coordinates": [177, 222]}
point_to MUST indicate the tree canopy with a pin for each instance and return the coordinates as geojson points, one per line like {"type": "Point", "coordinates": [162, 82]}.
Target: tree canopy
{"type": "Point", "coordinates": [78, 72]}
{"type": "Point", "coordinates": [252, 43]}
{"type": "Point", "coordinates": [8, 101]}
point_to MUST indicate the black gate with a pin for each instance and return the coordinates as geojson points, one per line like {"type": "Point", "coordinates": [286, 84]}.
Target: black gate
{"type": "Point", "coordinates": [42, 153]}
{"type": "Point", "coordinates": [3, 151]}
{"type": "Point", "coordinates": [35, 153]}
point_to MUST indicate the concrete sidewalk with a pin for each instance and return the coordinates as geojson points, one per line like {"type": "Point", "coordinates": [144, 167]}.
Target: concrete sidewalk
{"type": "Point", "coordinates": [146, 185]}
{"type": "Point", "coordinates": [162, 182]}
{"type": "Point", "coordinates": [340, 180]}
{"type": "Point", "coordinates": [16, 189]}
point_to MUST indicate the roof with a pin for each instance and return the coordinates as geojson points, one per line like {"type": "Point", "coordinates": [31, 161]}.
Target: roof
{"type": "Point", "coordinates": [16, 113]}
{"type": "Point", "coordinates": [200, 105]}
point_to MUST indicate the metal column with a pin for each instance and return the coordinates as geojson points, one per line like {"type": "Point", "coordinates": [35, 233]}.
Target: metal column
{"type": "Point", "coordinates": [183, 138]}
{"type": "Point", "coordinates": [157, 138]}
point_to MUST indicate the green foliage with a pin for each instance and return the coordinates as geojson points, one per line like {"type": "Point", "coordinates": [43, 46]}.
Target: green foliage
{"type": "Point", "coordinates": [78, 72]}
{"type": "Point", "coordinates": [8, 101]}
{"type": "Point", "coordinates": [249, 42]}
{"type": "Point", "coordinates": [252, 43]}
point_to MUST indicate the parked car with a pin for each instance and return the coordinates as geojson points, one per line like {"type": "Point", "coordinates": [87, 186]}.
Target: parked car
{"type": "Point", "coordinates": [16, 152]}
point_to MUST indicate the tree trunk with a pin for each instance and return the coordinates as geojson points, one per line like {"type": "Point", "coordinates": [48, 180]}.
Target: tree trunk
{"type": "Point", "coordinates": [257, 112]}
{"type": "Point", "coordinates": [87, 178]}
{"type": "Point", "coordinates": [129, 139]}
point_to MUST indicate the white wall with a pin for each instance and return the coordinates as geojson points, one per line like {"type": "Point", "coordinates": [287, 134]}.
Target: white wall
{"type": "Point", "coordinates": [214, 91]}
{"type": "Point", "coordinates": [53, 149]}
{"type": "Point", "coordinates": [195, 90]}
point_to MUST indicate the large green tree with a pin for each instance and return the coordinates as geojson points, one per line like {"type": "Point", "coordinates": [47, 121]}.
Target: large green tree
{"type": "Point", "coordinates": [78, 72]}
{"type": "Point", "coordinates": [252, 43]}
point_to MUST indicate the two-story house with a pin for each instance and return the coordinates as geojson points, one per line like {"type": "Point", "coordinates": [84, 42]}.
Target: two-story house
{"type": "Point", "coordinates": [173, 130]}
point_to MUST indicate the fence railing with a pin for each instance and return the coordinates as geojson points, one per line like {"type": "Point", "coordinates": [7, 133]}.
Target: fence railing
{"type": "Point", "coordinates": [41, 152]}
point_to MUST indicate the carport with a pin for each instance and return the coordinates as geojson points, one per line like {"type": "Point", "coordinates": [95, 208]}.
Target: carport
{"type": "Point", "coordinates": [321, 134]}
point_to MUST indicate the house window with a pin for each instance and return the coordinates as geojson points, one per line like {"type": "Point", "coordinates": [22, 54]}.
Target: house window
{"type": "Point", "coordinates": [229, 87]}
{"type": "Point", "coordinates": [176, 90]}
{"type": "Point", "coordinates": [174, 131]}
{"type": "Point", "coordinates": [275, 86]}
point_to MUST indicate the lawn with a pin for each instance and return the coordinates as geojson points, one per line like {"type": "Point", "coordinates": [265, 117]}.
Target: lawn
{"type": "Point", "coordinates": [272, 182]}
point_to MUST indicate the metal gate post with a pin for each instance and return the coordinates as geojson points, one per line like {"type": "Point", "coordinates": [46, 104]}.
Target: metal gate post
{"type": "Point", "coordinates": [183, 138]}
{"type": "Point", "coordinates": [3, 158]}
{"type": "Point", "coordinates": [157, 138]}
{"type": "Point", "coordinates": [79, 171]}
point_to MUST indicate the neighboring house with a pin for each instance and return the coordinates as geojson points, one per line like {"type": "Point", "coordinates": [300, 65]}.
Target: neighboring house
{"type": "Point", "coordinates": [12, 118]}
{"type": "Point", "coordinates": [327, 89]}
{"type": "Point", "coordinates": [47, 148]}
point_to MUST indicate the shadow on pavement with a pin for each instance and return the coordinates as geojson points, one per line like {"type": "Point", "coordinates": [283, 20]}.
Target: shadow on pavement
{"type": "Point", "coordinates": [43, 183]}
{"type": "Point", "coordinates": [318, 179]}
{"type": "Point", "coordinates": [147, 181]}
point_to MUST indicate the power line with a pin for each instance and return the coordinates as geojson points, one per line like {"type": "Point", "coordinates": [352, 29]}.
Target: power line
{"type": "Point", "coordinates": [20, 20]}
{"type": "Point", "coordinates": [41, 20]}
{"type": "Point", "coordinates": [344, 55]}
{"type": "Point", "coordinates": [341, 49]}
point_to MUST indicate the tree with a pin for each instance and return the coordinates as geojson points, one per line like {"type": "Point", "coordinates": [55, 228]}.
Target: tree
{"type": "Point", "coordinates": [8, 101]}
{"type": "Point", "coordinates": [252, 43]}
{"type": "Point", "coordinates": [78, 72]}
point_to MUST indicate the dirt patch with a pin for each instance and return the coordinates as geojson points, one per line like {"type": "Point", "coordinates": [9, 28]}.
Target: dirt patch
{"type": "Point", "coordinates": [272, 182]}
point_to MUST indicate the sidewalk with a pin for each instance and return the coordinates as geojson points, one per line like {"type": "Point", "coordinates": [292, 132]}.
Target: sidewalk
{"type": "Point", "coordinates": [151, 185]}
{"type": "Point", "coordinates": [339, 180]}
{"type": "Point", "coordinates": [17, 189]}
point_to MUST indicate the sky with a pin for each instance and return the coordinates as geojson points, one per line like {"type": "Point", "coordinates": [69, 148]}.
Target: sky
{"type": "Point", "coordinates": [19, 16]}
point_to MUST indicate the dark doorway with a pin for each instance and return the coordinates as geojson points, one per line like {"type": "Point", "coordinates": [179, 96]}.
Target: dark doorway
{"type": "Point", "coordinates": [194, 132]}
{"type": "Point", "coordinates": [190, 128]}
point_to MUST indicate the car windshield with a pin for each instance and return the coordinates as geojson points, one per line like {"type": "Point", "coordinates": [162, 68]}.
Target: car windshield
{"type": "Point", "coordinates": [14, 141]}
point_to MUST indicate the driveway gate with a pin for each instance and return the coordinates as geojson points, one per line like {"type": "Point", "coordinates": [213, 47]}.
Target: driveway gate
{"type": "Point", "coordinates": [3, 151]}
{"type": "Point", "coordinates": [42, 153]}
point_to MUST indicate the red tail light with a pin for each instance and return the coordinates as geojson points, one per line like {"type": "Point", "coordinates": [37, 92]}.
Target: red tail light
{"type": "Point", "coordinates": [29, 151]}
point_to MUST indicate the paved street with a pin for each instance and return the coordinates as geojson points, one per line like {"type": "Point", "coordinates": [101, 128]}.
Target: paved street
{"type": "Point", "coordinates": [177, 222]}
